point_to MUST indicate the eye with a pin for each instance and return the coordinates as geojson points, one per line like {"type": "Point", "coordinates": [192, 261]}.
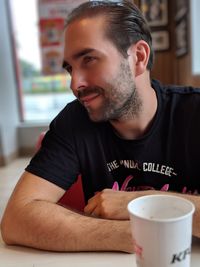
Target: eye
{"type": "Point", "coordinates": [88, 59]}
{"type": "Point", "coordinates": [68, 68]}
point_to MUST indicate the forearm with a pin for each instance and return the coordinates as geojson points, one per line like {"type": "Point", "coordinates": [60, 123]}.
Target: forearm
{"type": "Point", "coordinates": [48, 226]}
{"type": "Point", "coordinates": [112, 204]}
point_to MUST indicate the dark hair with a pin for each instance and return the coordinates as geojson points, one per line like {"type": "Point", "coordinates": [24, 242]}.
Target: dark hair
{"type": "Point", "coordinates": [125, 23]}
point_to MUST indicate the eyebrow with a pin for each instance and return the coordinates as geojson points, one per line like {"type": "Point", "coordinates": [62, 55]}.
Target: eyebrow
{"type": "Point", "coordinates": [77, 56]}
{"type": "Point", "coordinates": [82, 53]}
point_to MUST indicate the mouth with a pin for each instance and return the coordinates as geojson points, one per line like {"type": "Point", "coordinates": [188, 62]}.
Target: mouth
{"type": "Point", "coordinates": [89, 99]}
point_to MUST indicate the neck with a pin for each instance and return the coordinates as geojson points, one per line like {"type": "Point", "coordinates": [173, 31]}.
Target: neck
{"type": "Point", "coordinates": [137, 126]}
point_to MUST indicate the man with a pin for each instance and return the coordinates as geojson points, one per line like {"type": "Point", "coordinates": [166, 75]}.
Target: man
{"type": "Point", "coordinates": [123, 132]}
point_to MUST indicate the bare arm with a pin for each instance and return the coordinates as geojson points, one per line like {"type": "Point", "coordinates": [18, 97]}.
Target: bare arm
{"type": "Point", "coordinates": [112, 204]}
{"type": "Point", "coordinates": [32, 218]}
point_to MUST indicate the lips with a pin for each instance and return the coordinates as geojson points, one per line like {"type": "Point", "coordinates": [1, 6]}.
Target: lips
{"type": "Point", "coordinates": [88, 95]}
{"type": "Point", "coordinates": [86, 100]}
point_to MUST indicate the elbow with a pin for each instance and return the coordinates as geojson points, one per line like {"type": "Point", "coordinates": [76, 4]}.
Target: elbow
{"type": "Point", "coordinates": [6, 230]}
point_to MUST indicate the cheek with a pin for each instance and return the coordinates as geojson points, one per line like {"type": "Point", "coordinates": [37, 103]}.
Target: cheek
{"type": "Point", "coordinates": [101, 75]}
{"type": "Point", "coordinates": [96, 78]}
{"type": "Point", "coordinates": [104, 77]}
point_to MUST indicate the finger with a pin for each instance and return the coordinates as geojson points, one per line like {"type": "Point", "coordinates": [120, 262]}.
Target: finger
{"type": "Point", "coordinates": [90, 207]}
{"type": "Point", "coordinates": [92, 203]}
{"type": "Point", "coordinates": [94, 197]}
{"type": "Point", "coordinates": [96, 212]}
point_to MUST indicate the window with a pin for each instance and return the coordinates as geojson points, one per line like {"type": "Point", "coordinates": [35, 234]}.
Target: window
{"type": "Point", "coordinates": [195, 36]}
{"type": "Point", "coordinates": [43, 96]}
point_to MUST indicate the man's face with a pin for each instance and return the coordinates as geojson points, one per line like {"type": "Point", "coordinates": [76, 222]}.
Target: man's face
{"type": "Point", "coordinates": [101, 77]}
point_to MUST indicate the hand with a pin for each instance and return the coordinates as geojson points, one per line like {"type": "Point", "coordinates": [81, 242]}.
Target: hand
{"type": "Point", "coordinates": [109, 204]}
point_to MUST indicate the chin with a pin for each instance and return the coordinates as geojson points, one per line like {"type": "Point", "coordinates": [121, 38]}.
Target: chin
{"type": "Point", "coordinates": [96, 117]}
{"type": "Point", "coordinates": [98, 114]}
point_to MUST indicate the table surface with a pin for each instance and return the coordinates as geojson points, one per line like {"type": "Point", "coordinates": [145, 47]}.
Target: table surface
{"type": "Point", "coordinates": [16, 256]}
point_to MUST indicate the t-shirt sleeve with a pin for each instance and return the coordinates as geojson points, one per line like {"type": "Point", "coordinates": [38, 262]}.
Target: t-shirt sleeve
{"type": "Point", "coordinates": [56, 160]}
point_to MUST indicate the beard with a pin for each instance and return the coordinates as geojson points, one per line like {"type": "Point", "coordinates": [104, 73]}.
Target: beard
{"type": "Point", "coordinates": [120, 97]}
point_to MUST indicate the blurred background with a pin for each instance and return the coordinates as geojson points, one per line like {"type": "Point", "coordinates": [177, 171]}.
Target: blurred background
{"type": "Point", "coordinates": [33, 86]}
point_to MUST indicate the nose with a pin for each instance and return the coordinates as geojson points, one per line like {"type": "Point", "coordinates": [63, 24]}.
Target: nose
{"type": "Point", "coordinates": [78, 81]}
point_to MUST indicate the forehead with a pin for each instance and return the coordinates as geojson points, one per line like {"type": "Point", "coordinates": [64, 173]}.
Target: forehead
{"type": "Point", "coordinates": [86, 33]}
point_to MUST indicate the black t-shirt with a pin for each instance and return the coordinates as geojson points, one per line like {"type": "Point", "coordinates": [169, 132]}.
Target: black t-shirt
{"type": "Point", "coordinates": [167, 157]}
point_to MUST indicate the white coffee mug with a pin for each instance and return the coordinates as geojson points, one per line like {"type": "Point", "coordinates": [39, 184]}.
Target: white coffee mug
{"type": "Point", "coordinates": [162, 230]}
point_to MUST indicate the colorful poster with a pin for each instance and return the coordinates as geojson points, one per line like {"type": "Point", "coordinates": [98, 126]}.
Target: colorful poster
{"type": "Point", "coordinates": [51, 31]}
{"type": "Point", "coordinates": [52, 58]}
{"type": "Point", "coordinates": [52, 15]}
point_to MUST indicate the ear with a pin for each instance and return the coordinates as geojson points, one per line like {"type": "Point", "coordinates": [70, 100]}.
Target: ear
{"type": "Point", "coordinates": [140, 52]}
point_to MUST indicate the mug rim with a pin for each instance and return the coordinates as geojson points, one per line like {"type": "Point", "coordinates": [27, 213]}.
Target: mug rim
{"type": "Point", "coordinates": [157, 219]}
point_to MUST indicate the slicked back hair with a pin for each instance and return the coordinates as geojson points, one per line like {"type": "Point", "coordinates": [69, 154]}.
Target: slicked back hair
{"type": "Point", "coordinates": [125, 25]}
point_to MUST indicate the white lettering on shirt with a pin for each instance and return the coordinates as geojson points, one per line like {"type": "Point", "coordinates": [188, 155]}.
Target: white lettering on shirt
{"type": "Point", "coordinates": [112, 165]}
{"type": "Point", "coordinates": [130, 164]}
{"type": "Point", "coordinates": [158, 168]}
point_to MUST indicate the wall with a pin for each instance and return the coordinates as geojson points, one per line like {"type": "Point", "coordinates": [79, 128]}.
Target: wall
{"type": "Point", "coordinates": [28, 134]}
{"type": "Point", "coordinates": [165, 61]}
{"type": "Point", "coordinates": [170, 69]}
{"type": "Point", "coordinates": [9, 117]}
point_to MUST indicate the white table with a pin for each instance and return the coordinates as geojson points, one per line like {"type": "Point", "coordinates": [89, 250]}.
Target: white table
{"type": "Point", "coordinates": [16, 256]}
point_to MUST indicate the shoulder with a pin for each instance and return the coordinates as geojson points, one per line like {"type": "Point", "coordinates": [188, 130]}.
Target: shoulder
{"type": "Point", "coordinates": [181, 101]}
{"type": "Point", "coordinates": [74, 109]}
{"type": "Point", "coordinates": [176, 94]}
{"type": "Point", "coordinates": [175, 89]}
{"type": "Point", "coordinates": [72, 114]}
{"type": "Point", "coordinates": [74, 120]}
